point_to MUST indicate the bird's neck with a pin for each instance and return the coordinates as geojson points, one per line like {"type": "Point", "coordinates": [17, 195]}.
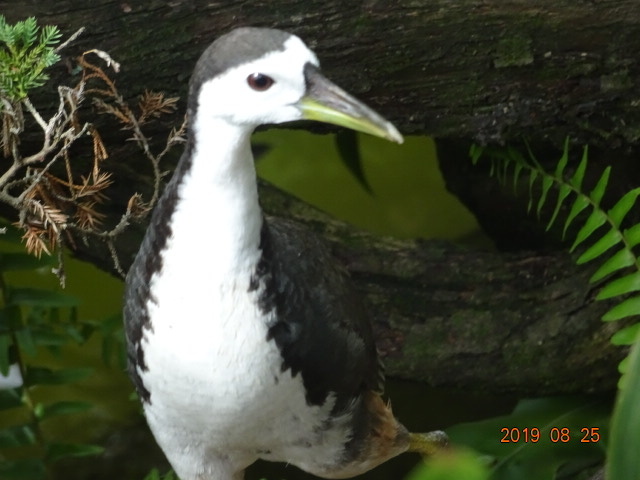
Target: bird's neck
{"type": "Point", "coordinates": [218, 211]}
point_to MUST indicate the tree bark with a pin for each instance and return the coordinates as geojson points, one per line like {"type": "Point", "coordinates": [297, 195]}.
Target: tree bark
{"type": "Point", "coordinates": [487, 71]}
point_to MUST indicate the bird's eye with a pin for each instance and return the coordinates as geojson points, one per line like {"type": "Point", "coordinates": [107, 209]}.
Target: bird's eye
{"type": "Point", "coordinates": [260, 82]}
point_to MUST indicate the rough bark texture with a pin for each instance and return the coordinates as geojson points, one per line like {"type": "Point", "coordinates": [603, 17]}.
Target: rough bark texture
{"type": "Point", "coordinates": [479, 70]}
{"type": "Point", "coordinates": [482, 69]}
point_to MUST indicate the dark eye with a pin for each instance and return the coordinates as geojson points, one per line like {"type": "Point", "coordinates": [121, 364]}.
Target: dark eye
{"type": "Point", "coordinates": [260, 82]}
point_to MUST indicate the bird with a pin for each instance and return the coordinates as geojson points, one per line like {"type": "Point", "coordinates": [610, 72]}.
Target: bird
{"type": "Point", "coordinates": [245, 338]}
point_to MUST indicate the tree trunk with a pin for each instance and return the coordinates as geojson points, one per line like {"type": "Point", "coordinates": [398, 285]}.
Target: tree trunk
{"type": "Point", "coordinates": [480, 70]}
{"type": "Point", "coordinates": [490, 70]}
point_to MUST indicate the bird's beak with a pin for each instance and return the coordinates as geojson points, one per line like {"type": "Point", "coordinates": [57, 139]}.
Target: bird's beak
{"type": "Point", "coordinates": [326, 102]}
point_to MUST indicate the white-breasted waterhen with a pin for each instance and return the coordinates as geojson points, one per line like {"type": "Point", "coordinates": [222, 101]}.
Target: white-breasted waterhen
{"type": "Point", "coordinates": [245, 340]}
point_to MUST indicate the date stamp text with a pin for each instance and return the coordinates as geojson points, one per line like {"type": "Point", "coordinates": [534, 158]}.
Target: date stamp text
{"type": "Point", "coordinates": [555, 434]}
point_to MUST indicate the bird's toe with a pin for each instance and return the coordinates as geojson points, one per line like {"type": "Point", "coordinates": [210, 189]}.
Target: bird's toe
{"type": "Point", "coordinates": [426, 444]}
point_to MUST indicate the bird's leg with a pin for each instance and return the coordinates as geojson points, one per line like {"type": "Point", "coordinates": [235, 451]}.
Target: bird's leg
{"type": "Point", "coordinates": [426, 444]}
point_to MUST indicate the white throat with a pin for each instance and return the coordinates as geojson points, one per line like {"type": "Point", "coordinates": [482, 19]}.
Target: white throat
{"type": "Point", "coordinates": [218, 211]}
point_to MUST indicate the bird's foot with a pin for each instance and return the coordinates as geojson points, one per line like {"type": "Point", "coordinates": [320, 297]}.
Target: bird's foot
{"type": "Point", "coordinates": [426, 444]}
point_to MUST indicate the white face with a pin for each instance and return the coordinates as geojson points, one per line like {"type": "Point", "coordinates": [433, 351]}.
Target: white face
{"type": "Point", "coordinates": [237, 99]}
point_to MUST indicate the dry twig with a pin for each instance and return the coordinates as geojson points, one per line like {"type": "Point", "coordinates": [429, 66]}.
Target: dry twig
{"type": "Point", "coordinates": [51, 207]}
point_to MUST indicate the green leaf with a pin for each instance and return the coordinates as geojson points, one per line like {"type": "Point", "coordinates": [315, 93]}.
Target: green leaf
{"type": "Point", "coordinates": [547, 183]}
{"type": "Point", "coordinates": [532, 179]}
{"type": "Point", "coordinates": [27, 31]}
{"type": "Point", "coordinates": [627, 308]}
{"type": "Point", "coordinates": [154, 474]}
{"type": "Point", "coordinates": [580, 203]}
{"type": "Point", "coordinates": [633, 235]}
{"type": "Point", "coordinates": [623, 461]}
{"type": "Point", "coordinates": [63, 408]}
{"type": "Point", "coordinates": [492, 169]}
{"type": "Point", "coordinates": [456, 465]}
{"type": "Point", "coordinates": [49, 338]}
{"type": "Point", "coordinates": [562, 163]}
{"type": "Point", "coordinates": [608, 240]}
{"type": "Point", "coordinates": [620, 286]}
{"type": "Point", "coordinates": [626, 336]}
{"type": "Point", "coordinates": [79, 335]}
{"type": "Point", "coordinates": [17, 436]}
{"type": "Point", "coordinates": [563, 193]}
{"type": "Point", "coordinates": [532, 158]}
{"type": "Point", "coordinates": [40, 298]}
{"type": "Point", "coordinates": [578, 176]}
{"type": "Point", "coordinates": [25, 341]}
{"type": "Point", "coordinates": [622, 207]}
{"type": "Point", "coordinates": [46, 376]}
{"type": "Point", "coordinates": [10, 398]}
{"type": "Point", "coordinates": [50, 35]}
{"type": "Point", "coordinates": [621, 259]}
{"type": "Point", "coordinates": [28, 469]}
{"type": "Point", "coordinates": [517, 171]}
{"type": "Point", "coordinates": [475, 152]}
{"type": "Point", "coordinates": [595, 221]}
{"type": "Point", "coordinates": [509, 162]}
{"type": "Point", "coordinates": [113, 340]}
{"type": "Point", "coordinates": [10, 319]}
{"type": "Point", "coordinates": [57, 451]}
{"type": "Point", "coordinates": [623, 366]}
{"type": "Point", "coordinates": [598, 192]}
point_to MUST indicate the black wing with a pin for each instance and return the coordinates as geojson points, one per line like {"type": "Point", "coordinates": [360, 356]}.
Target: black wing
{"type": "Point", "coordinates": [322, 329]}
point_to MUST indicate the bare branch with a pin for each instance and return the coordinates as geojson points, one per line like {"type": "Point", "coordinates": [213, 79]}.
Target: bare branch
{"type": "Point", "coordinates": [48, 205]}
{"type": "Point", "coordinates": [116, 260]}
{"type": "Point", "coordinates": [69, 40]}
{"type": "Point", "coordinates": [27, 103]}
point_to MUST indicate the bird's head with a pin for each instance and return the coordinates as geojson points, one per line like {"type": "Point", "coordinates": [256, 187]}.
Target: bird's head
{"type": "Point", "coordinates": [255, 76]}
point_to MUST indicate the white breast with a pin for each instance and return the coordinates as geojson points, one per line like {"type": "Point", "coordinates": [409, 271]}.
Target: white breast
{"type": "Point", "coordinates": [216, 384]}
{"type": "Point", "coordinates": [219, 398]}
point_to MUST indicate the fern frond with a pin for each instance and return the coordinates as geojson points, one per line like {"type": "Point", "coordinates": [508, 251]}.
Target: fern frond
{"type": "Point", "coordinates": [600, 231]}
